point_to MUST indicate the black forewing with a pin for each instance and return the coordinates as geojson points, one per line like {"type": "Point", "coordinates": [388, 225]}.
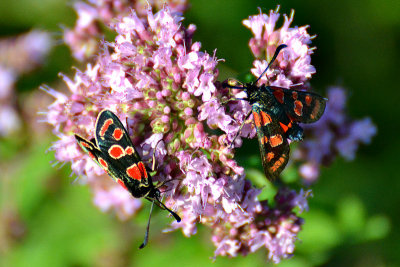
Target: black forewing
{"type": "Point", "coordinates": [300, 106]}
{"type": "Point", "coordinates": [95, 153]}
{"type": "Point", "coordinates": [106, 125]}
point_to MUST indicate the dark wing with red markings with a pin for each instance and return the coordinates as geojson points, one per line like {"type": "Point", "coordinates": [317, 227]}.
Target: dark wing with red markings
{"type": "Point", "coordinates": [90, 148]}
{"type": "Point", "coordinates": [113, 140]}
{"type": "Point", "coordinates": [300, 106]}
{"type": "Point", "coordinates": [110, 131]}
{"type": "Point", "coordinates": [115, 154]}
{"type": "Point", "coordinates": [99, 157]}
{"type": "Point", "coordinates": [274, 147]}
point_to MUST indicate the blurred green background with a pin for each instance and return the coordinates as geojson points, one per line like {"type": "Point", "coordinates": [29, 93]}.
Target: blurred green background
{"type": "Point", "coordinates": [45, 220]}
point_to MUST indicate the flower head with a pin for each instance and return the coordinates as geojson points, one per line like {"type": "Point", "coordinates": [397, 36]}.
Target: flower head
{"type": "Point", "coordinates": [83, 39]}
{"type": "Point", "coordinates": [157, 79]}
{"type": "Point", "coordinates": [293, 65]}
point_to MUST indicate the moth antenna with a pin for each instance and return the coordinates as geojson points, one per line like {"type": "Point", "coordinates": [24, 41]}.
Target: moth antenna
{"type": "Point", "coordinates": [167, 181]}
{"type": "Point", "coordinates": [278, 49]}
{"type": "Point", "coordinates": [146, 236]}
{"type": "Point", "coordinates": [176, 216]}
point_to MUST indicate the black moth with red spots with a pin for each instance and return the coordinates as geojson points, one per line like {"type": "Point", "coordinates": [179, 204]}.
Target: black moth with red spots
{"type": "Point", "coordinates": [113, 150]}
{"type": "Point", "coordinates": [277, 112]}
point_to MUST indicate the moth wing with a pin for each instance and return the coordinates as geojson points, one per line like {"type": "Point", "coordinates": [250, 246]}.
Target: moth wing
{"type": "Point", "coordinates": [274, 147]}
{"type": "Point", "coordinates": [300, 106]}
{"type": "Point", "coordinates": [95, 153]}
{"type": "Point", "coordinates": [113, 140]}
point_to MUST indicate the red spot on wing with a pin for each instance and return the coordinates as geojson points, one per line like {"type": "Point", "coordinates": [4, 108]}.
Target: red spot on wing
{"type": "Point", "coordinates": [142, 169]}
{"type": "Point", "coordinates": [266, 119]}
{"type": "Point", "coordinates": [278, 163]}
{"type": "Point", "coordinates": [276, 140]}
{"type": "Point", "coordinates": [264, 140]}
{"type": "Point", "coordinates": [270, 156]}
{"type": "Point", "coordinates": [134, 172]}
{"type": "Point", "coordinates": [116, 151]}
{"type": "Point", "coordinates": [298, 108]}
{"type": "Point", "coordinates": [284, 127]}
{"type": "Point", "coordinates": [294, 95]}
{"type": "Point", "coordinates": [103, 163]}
{"type": "Point", "coordinates": [257, 119]}
{"type": "Point", "coordinates": [315, 111]}
{"type": "Point", "coordinates": [92, 156]}
{"type": "Point", "coordinates": [278, 93]}
{"type": "Point", "coordinates": [105, 126]}
{"type": "Point", "coordinates": [117, 134]}
{"type": "Point", "coordinates": [84, 144]}
{"type": "Point", "coordinates": [121, 183]}
{"type": "Point", "coordinates": [308, 100]}
{"type": "Point", "coordinates": [129, 150]}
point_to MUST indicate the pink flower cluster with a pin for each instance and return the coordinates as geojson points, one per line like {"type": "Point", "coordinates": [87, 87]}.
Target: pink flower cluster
{"type": "Point", "coordinates": [293, 65]}
{"type": "Point", "coordinates": [157, 79]}
{"type": "Point", "coordinates": [93, 15]}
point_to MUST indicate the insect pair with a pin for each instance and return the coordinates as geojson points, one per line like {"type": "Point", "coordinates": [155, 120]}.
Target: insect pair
{"type": "Point", "coordinates": [113, 150]}
{"type": "Point", "coordinates": [277, 112]}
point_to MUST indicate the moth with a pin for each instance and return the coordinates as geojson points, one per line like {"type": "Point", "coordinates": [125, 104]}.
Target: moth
{"type": "Point", "coordinates": [112, 150]}
{"type": "Point", "coordinates": [277, 112]}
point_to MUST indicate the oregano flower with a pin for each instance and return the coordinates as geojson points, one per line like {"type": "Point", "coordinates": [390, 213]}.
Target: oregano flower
{"type": "Point", "coordinates": [156, 78]}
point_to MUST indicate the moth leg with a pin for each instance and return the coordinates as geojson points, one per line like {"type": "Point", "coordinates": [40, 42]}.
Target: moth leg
{"type": "Point", "coordinates": [153, 167]}
{"type": "Point", "coordinates": [240, 129]}
{"type": "Point", "coordinates": [232, 84]}
{"type": "Point", "coordinates": [232, 99]}
{"type": "Point", "coordinates": [153, 157]}
{"type": "Point", "coordinates": [167, 181]}
{"type": "Point", "coordinates": [162, 183]}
